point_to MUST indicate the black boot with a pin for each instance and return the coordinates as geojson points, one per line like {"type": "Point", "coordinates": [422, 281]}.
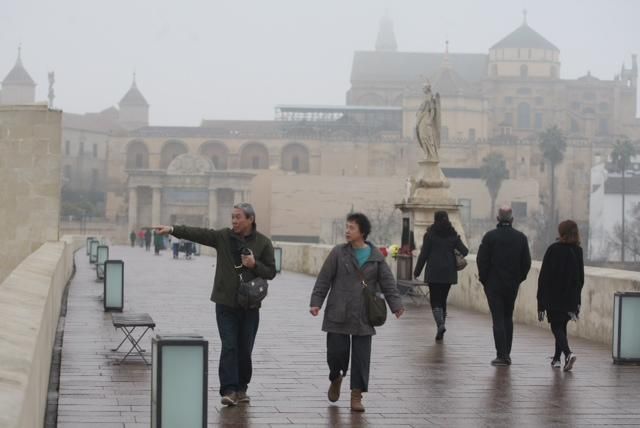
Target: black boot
{"type": "Point", "coordinates": [438, 316]}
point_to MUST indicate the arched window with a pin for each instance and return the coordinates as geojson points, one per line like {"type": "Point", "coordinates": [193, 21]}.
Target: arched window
{"type": "Point", "coordinates": [295, 157]}
{"type": "Point", "coordinates": [137, 155]}
{"type": "Point", "coordinates": [254, 156]}
{"type": "Point", "coordinates": [524, 116]}
{"type": "Point", "coordinates": [170, 151]}
{"type": "Point", "coordinates": [217, 152]}
{"type": "Point", "coordinates": [524, 70]}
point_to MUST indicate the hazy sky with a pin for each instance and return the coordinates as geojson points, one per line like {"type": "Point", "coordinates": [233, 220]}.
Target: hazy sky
{"type": "Point", "coordinates": [237, 59]}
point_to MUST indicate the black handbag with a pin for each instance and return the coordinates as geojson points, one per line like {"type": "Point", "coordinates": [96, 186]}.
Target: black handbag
{"type": "Point", "coordinates": [375, 304]}
{"type": "Point", "coordinates": [251, 293]}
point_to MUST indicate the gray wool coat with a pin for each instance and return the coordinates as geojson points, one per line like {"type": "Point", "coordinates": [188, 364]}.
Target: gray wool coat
{"type": "Point", "coordinates": [345, 312]}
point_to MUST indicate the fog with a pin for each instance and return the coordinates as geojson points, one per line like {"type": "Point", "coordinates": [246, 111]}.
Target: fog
{"type": "Point", "coordinates": [238, 59]}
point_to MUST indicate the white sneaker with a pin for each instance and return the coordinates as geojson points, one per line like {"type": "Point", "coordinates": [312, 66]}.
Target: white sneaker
{"type": "Point", "coordinates": [569, 361]}
{"type": "Point", "coordinates": [555, 363]}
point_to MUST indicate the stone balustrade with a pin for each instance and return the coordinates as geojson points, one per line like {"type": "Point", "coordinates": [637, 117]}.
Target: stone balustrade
{"type": "Point", "coordinates": [596, 317]}
{"type": "Point", "coordinates": [30, 301]}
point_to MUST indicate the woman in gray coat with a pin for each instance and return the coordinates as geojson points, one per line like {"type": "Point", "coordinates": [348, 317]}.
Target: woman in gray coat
{"type": "Point", "coordinates": [438, 246]}
{"type": "Point", "coordinates": [345, 316]}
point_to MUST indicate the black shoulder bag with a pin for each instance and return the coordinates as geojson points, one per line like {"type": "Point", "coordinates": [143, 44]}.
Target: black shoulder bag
{"type": "Point", "coordinates": [251, 292]}
{"type": "Point", "coordinates": [376, 306]}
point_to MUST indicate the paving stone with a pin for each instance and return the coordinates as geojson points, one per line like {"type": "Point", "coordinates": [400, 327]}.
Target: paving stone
{"type": "Point", "coordinates": [414, 381]}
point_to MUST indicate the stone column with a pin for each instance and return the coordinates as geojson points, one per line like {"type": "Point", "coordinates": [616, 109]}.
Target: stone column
{"type": "Point", "coordinates": [156, 206]}
{"type": "Point", "coordinates": [133, 209]}
{"type": "Point", "coordinates": [213, 207]}
{"type": "Point", "coordinates": [238, 197]}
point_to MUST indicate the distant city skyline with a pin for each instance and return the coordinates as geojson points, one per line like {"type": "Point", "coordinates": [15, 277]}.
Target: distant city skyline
{"type": "Point", "coordinates": [239, 59]}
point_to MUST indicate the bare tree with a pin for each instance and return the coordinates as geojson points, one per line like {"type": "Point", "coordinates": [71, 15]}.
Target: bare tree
{"type": "Point", "coordinates": [386, 223]}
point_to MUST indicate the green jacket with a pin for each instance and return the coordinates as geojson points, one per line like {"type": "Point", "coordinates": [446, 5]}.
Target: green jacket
{"type": "Point", "coordinates": [226, 281]}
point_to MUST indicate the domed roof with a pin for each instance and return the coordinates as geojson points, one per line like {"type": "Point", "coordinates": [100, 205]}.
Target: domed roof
{"type": "Point", "coordinates": [134, 97]}
{"type": "Point", "coordinates": [18, 75]}
{"type": "Point", "coordinates": [525, 37]}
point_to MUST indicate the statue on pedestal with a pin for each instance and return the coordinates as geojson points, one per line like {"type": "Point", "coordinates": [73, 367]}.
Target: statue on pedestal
{"type": "Point", "coordinates": [428, 124]}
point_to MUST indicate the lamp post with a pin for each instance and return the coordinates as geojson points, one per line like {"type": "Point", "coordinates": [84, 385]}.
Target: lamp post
{"type": "Point", "coordinates": [93, 251]}
{"type": "Point", "coordinates": [102, 256]}
{"type": "Point", "coordinates": [277, 253]}
{"type": "Point", "coordinates": [179, 381]}
{"type": "Point", "coordinates": [626, 336]}
{"type": "Point", "coordinates": [113, 285]}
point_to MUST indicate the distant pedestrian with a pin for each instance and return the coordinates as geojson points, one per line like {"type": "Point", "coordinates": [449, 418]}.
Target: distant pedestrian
{"type": "Point", "coordinates": [141, 238]}
{"type": "Point", "coordinates": [438, 252]}
{"type": "Point", "coordinates": [559, 287]}
{"type": "Point", "coordinates": [158, 242]}
{"type": "Point", "coordinates": [345, 316]}
{"type": "Point", "coordinates": [147, 239]}
{"type": "Point", "coordinates": [132, 238]}
{"type": "Point", "coordinates": [503, 263]}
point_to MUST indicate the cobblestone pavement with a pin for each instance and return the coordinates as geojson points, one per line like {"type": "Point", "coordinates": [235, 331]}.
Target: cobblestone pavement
{"type": "Point", "coordinates": [414, 381]}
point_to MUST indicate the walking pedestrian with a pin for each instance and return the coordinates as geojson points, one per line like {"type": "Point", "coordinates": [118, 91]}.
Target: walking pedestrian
{"type": "Point", "coordinates": [147, 239]}
{"type": "Point", "coordinates": [503, 262]}
{"type": "Point", "coordinates": [132, 238]}
{"type": "Point", "coordinates": [559, 287]}
{"type": "Point", "coordinates": [242, 252]}
{"type": "Point", "coordinates": [439, 244]}
{"type": "Point", "coordinates": [346, 320]}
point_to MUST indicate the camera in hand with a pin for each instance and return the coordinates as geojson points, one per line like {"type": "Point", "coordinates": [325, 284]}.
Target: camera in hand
{"type": "Point", "coordinates": [245, 251]}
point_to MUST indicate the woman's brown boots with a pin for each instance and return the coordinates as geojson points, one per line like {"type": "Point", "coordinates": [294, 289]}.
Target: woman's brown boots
{"type": "Point", "coordinates": [356, 401]}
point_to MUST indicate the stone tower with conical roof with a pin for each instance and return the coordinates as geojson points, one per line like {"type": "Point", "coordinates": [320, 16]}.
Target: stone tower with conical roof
{"type": "Point", "coordinates": [386, 40]}
{"type": "Point", "coordinates": [134, 108]}
{"type": "Point", "coordinates": [523, 54]}
{"type": "Point", "coordinates": [18, 87]}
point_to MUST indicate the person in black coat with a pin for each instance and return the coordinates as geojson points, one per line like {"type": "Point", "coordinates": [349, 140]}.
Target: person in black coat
{"type": "Point", "coordinates": [438, 245]}
{"type": "Point", "coordinates": [559, 288]}
{"type": "Point", "coordinates": [503, 262]}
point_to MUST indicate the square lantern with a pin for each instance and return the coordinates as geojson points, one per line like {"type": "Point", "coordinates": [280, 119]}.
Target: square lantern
{"type": "Point", "coordinates": [88, 248]}
{"type": "Point", "coordinates": [626, 335]}
{"type": "Point", "coordinates": [103, 256]}
{"type": "Point", "coordinates": [113, 285]}
{"type": "Point", "coordinates": [179, 381]}
{"type": "Point", "coordinates": [277, 253]}
{"type": "Point", "coordinates": [93, 251]}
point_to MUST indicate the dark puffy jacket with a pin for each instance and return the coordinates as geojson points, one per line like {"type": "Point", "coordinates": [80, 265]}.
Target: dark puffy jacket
{"type": "Point", "coordinates": [561, 278]}
{"type": "Point", "coordinates": [503, 258]}
{"type": "Point", "coordinates": [226, 281]}
{"type": "Point", "coordinates": [437, 253]}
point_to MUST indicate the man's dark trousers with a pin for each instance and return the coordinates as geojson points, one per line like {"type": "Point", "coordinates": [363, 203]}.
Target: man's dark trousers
{"type": "Point", "coordinates": [501, 302]}
{"type": "Point", "coordinates": [237, 328]}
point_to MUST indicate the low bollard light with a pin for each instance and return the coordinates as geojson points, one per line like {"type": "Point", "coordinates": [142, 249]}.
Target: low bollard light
{"type": "Point", "coordinates": [626, 335]}
{"type": "Point", "coordinates": [277, 254]}
{"type": "Point", "coordinates": [89, 239]}
{"type": "Point", "coordinates": [179, 381]}
{"type": "Point", "coordinates": [113, 285]}
{"type": "Point", "coordinates": [93, 251]}
{"type": "Point", "coordinates": [103, 256]}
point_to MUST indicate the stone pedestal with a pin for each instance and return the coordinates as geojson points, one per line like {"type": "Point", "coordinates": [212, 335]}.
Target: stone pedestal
{"type": "Point", "coordinates": [429, 193]}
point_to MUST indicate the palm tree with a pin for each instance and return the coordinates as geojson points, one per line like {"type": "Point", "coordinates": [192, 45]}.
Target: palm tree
{"type": "Point", "coordinates": [621, 156]}
{"type": "Point", "coordinates": [553, 144]}
{"type": "Point", "coordinates": [494, 171]}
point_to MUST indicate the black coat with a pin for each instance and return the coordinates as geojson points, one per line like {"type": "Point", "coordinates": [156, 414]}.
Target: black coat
{"type": "Point", "coordinates": [561, 278]}
{"type": "Point", "coordinates": [503, 258]}
{"type": "Point", "coordinates": [437, 253]}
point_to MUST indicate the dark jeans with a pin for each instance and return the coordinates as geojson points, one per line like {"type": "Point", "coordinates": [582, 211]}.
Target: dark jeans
{"type": "Point", "coordinates": [438, 294]}
{"type": "Point", "coordinates": [338, 347]}
{"type": "Point", "coordinates": [237, 328]}
{"type": "Point", "coordinates": [559, 321]}
{"type": "Point", "coordinates": [501, 302]}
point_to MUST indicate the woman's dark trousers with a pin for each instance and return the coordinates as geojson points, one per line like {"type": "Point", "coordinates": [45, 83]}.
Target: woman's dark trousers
{"type": "Point", "coordinates": [338, 348]}
{"type": "Point", "coordinates": [559, 321]}
{"type": "Point", "coordinates": [237, 328]}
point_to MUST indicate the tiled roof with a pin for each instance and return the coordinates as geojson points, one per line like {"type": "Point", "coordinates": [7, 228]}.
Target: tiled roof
{"type": "Point", "coordinates": [525, 37]}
